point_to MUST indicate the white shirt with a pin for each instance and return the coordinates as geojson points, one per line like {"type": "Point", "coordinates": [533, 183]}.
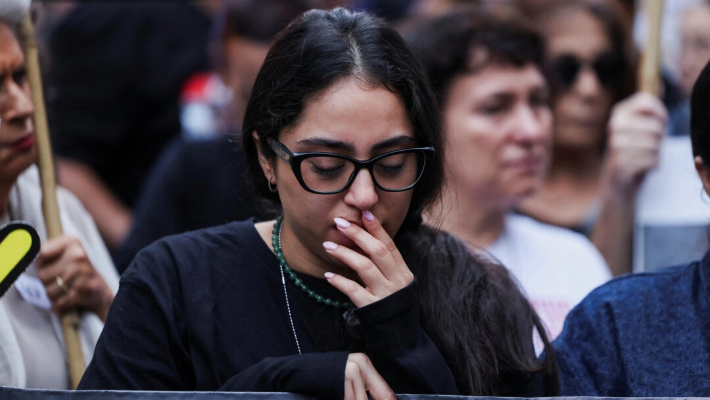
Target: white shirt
{"type": "Point", "coordinates": [32, 351]}
{"type": "Point", "coordinates": [555, 267]}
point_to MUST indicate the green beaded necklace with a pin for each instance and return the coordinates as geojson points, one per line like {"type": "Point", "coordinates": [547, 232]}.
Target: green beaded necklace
{"type": "Point", "coordinates": [276, 242]}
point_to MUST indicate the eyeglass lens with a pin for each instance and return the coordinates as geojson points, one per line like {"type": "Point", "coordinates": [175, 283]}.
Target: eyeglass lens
{"type": "Point", "coordinates": [608, 67]}
{"type": "Point", "coordinates": [331, 174]}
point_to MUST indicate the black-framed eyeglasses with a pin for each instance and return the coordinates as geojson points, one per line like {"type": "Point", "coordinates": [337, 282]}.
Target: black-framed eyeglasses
{"type": "Point", "coordinates": [609, 67]}
{"type": "Point", "coordinates": [330, 173]}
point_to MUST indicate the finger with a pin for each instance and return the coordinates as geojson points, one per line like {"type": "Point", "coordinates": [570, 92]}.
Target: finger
{"type": "Point", "coordinates": [652, 106]}
{"type": "Point", "coordinates": [379, 253]}
{"type": "Point", "coordinates": [374, 382]}
{"type": "Point", "coordinates": [639, 127]}
{"type": "Point", "coordinates": [54, 291]}
{"type": "Point", "coordinates": [349, 390]}
{"type": "Point", "coordinates": [629, 142]}
{"type": "Point", "coordinates": [65, 303]}
{"type": "Point", "coordinates": [65, 267]}
{"type": "Point", "coordinates": [373, 225]}
{"type": "Point", "coordinates": [357, 386]}
{"type": "Point", "coordinates": [53, 248]}
{"type": "Point", "coordinates": [366, 269]}
{"type": "Point", "coordinates": [644, 103]}
{"type": "Point", "coordinates": [356, 293]}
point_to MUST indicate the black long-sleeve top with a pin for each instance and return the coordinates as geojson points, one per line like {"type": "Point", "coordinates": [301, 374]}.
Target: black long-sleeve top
{"type": "Point", "coordinates": [206, 311]}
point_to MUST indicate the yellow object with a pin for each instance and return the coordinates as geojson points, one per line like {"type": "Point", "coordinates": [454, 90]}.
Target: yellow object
{"type": "Point", "coordinates": [12, 250]}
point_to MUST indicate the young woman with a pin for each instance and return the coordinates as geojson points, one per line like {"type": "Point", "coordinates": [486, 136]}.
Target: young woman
{"type": "Point", "coordinates": [604, 142]}
{"type": "Point", "coordinates": [486, 71]}
{"type": "Point", "coordinates": [342, 132]}
{"type": "Point", "coordinates": [646, 335]}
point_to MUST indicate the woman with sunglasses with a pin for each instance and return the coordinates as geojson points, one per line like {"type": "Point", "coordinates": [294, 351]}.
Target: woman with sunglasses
{"type": "Point", "coordinates": [341, 133]}
{"type": "Point", "coordinates": [603, 146]}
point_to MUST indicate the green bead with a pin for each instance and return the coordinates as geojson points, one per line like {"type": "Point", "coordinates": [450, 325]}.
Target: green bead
{"type": "Point", "coordinates": [275, 232]}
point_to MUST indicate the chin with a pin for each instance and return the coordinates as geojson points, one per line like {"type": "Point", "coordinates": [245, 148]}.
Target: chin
{"type": "Point", "coordinates": [524, 191]}
{"type": "Point", "coordinates": [579, 138]}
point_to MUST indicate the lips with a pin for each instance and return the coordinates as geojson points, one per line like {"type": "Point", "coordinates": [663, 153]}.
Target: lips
{"type": "Point", "coordinates": [527, 163]}
{"type": "Point", "coordinates": [24, 143]}
{"type": "Point", "coordinates": [344, 240]}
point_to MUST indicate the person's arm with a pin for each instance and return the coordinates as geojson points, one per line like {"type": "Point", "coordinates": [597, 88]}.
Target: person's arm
{"type": "Point", "coordinates": [141, 348]}
{"type": "Point", "coordinates": [636, 127]}
{"type": "Point", "coordinates": [400, 349]}
{"type": "Point", "coordinates": [112, 217]}
{"type": "Point", "coordinates": [387, 310]}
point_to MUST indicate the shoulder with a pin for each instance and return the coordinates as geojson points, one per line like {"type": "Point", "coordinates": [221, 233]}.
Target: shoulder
{"type": "Point", "coordinates": [543, 233]}
{"type": "Point", "coordinates": [555, 242]}
{"type": "Point", "coordinates": [199, 254]}
{"type": "Point", "coordinates": [663, 287]}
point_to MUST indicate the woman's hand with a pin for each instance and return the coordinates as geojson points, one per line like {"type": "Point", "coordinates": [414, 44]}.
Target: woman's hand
{"type": "Point", "coordinates": [636, 128]}
{"type": "Point", "coordinates": [383, 270]}
{"type": "Point", "coordinates": [70, 279]}
{"type": "Point", "coordinates": [361, 378]}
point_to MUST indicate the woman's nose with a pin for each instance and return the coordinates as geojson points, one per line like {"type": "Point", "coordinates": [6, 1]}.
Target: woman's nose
{"type": "Point", "coordinates": [532, 125]}
{"type": "Point", "coordinates": [362, 193]}
{"type": "Point", "coordinates": [587, 83]}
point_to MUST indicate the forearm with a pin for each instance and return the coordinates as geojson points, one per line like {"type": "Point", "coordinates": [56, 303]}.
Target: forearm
{"type": "Point", "coordinates": [613, 232]}
{"type": "Point", "coordinates": [400, 349]}
{"type": "Point", "coordinates": [112, 218]}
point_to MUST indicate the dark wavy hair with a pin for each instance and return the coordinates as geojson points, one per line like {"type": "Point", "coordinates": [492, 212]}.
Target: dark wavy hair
{"type": "Point", "coordinates": [471, 309]}
{"type": "Point", "coordinates": [446, 44]}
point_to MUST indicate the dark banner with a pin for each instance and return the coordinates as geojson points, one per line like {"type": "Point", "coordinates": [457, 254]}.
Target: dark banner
{"type": "Point", "coordinates": [26, 394]}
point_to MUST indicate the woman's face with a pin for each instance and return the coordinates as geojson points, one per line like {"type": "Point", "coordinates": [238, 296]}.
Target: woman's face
{"type": "Point", "coordinates": [498, 129]}
{"type": "Point", "coordinates": [17, 150]}
{"type": "Point", "coordinates": [695, 45]}
{"type": "Point", "coordinates": [582, 109]}
{"type": "Point", "coordinates": [353, 120]}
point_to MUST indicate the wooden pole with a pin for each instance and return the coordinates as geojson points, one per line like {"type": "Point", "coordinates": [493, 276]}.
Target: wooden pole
{"type": "Point", "coordinates": [50, 208]}
{"type": "Point", "coordinates": [649, 70]}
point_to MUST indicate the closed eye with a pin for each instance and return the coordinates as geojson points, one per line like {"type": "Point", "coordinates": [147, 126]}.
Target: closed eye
{"type": "Point", "coordinates": [391, 169]}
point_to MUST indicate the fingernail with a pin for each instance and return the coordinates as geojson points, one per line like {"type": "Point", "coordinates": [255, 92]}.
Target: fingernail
{"type": "Point", "coordinates": [330, 245]}
{"type": "Point", "coordinates": [368, 216]}
{"type": "Point", "coordinates": [341, 223]}
{"type": "Point", "coordinates": [329, 275]}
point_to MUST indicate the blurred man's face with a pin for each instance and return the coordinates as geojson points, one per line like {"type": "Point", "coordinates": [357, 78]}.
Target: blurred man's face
{"type": "Point", "coordinates": [243, 58]}
{"type": "Point", "coordinates": [695, 45]}
{"type": "Point", "coordinates": [17, 136]}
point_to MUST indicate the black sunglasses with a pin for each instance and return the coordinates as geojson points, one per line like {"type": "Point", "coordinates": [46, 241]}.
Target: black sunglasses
{"type": "Point", "coordinates": [609, 67]}
{"type": "Point", "coordinates": [331, 173]}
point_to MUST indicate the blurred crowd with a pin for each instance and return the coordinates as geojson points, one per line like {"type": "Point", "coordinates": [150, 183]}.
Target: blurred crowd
{"type": "Point", "coordinates": [556, 166]}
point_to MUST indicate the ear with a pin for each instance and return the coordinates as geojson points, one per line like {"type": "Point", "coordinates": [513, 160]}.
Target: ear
{"type": "Point", "coordinates": [703, 172]}
{"type": "Point", "coordinates": [266, 164]}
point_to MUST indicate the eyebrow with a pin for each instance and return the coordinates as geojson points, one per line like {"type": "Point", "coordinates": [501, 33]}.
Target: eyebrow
{"type": "Point", "coordinates": [340, 145]}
